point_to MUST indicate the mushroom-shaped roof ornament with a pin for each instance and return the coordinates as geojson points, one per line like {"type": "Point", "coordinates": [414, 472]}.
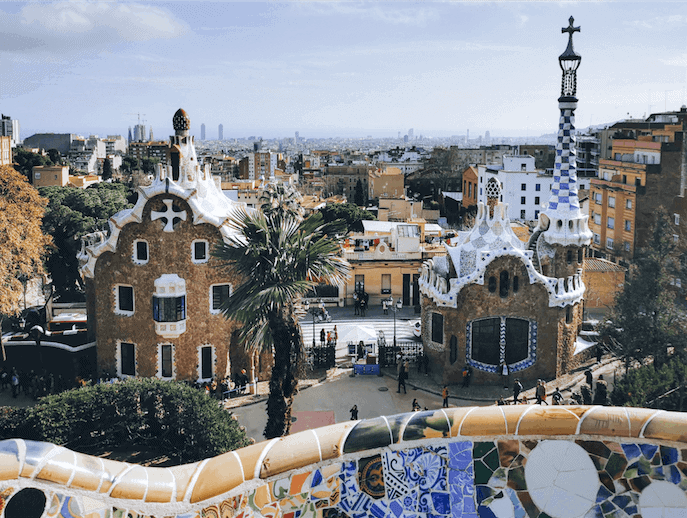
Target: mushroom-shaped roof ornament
{"type": "Point", "coordinates": [181, 122]}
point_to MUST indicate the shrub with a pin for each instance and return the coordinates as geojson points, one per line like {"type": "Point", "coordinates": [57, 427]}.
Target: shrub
{"type": "Point", "coordinates": [650, 387]}
{"type": "Point", "coordinates": [164, 417]}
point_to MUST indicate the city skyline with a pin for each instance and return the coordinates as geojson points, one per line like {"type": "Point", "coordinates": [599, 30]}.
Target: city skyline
{"type": "Point", "coordinates": [335, 69]}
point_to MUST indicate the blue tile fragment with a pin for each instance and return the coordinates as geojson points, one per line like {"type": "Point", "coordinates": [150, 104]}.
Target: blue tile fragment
{"type": "Point", "coordinates": [603, 494]}
{"type": "Point", "coordinates": [668, 455]}
{"type": "Point", "coordinates": [648, 450]}
{"type": "Point", "coordinates": [441, 503]}
{"type": "Point", "coordinates": [632, 451]}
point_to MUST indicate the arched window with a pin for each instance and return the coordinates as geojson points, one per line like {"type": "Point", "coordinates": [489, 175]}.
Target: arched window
{"type": "Point", "coordinates": [516, 283]}
{"type": "Point", "coordinates": [569, 256]}
{"type": "Point", "coordinates": [453, 354]}
{"type": "Point", "coordinates": [504, 284]}
{"type": "Point", "coordinates": [492, 284]}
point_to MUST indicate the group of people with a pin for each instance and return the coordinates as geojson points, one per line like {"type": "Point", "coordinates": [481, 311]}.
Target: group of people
{"type": "Point", "coordinates": [360, 301]}
{"type": "Point", "coordinates": [329, 337]}
{"type": "Point", "coordinates": [32, 384]}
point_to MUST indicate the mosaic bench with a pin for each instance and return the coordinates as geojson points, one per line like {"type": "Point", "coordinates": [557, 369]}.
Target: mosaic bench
{"type": "Point", "coordinates": [495, 462]}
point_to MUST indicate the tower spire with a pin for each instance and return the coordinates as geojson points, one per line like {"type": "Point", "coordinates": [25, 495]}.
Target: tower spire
{"type": "Point", "coordinates": [563, 222]}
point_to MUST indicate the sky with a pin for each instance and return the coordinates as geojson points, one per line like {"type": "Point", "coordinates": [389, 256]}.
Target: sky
{"type": "Point", "coordinates": [334, 69]}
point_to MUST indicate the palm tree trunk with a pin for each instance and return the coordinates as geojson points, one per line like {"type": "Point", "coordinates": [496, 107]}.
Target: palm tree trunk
{"type": "Point", "coordinates": [284, 381]}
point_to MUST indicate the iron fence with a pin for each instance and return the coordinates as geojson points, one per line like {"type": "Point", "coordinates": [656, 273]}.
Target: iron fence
{"type": "Point", "coordinates": [412, 352]}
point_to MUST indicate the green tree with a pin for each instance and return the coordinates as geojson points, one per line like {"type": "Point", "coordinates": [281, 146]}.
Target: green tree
{"type": "Point", "coordinates": [351, 214]}
{"type": "Point", "coordinates": [646, 320]}
{"type": "Point", "coordinates": [148, 165]}
{"type": "Point", "coordinates": [162, 417]}
{"type": "Point", "coordinates": [23, 242]}
{"type": "Point", "coordinates": [279, 256]}
{"type": "Point", "coordinates": [72, 213]}
{"type": "Point", "coordinates": [24, 161]}
{"type": "Point", "coordinates": [129, 164]}
{"type": "Point", "coordinates": [54, 156]}
{"type": "Point", "coordinates": [107, 169]}
{"type": "Point", "coordinates": [360, 196]}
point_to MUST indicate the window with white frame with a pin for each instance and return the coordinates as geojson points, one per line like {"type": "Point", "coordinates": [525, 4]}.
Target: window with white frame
{"type": "Point", "coordinates": [597, 239]}
{"type": "Point", "coordinates": [610, 222]}
{"type": "Point", "coordinates": [165, 354]}
{"type": "Point", "coordinates": [206, 363]}
{"type": "Point", "coordinates": [127, 359]}
{"type": "Point", "coordinates": [611, 201]}
{"type": "Point", "coordinates": [609, 243]}
{"type": "Point", "coordinates": [628, 225]}
{"type": "Point", "coordinates": [200, 251]}
{"type": "Point", "coordinates": [124, 300]}
{"type": "Point", "coordinates": [596, 217]}
{"type": "Point", "coordinates": [219, 293]}
{"type": "Point", "coordinates": [628, 204]}
{"type": "Point", "coordinates": [141, 255]}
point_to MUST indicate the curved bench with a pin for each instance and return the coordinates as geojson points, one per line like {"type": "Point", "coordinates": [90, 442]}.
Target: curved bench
{"type": "Point", "coordinates": [499, 461]}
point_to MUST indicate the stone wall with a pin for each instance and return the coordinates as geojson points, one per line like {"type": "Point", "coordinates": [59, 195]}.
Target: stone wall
{"type": "Point", "coordinates": [499, 462]}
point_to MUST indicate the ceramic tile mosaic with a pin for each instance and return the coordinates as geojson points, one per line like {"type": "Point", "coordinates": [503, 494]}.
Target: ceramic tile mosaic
{"type": "Point", "coordinates": [415, 465]}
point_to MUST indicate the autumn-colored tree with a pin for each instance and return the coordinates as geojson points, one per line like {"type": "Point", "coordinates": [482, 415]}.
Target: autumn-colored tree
{"type": "Point", "coordinates": [23, 241]}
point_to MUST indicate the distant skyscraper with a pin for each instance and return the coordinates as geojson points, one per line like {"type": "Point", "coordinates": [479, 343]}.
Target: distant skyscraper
{"type": "Point", "coordinates": [297, 137]}
{"type": "Point", "coordinates": [410, 134]}
{"type": "Point", "coordinates": [487, 137]}
{"type": "Point", "coordinates": [399, 134]}
{"type": "Point", "coordinates": [140, 133]}
{"type": "Point", "coordinates": [467, 139]}
{"type": "Point", "coordinates": [151, 134]}
{"type": "Point", "coordinates": [202, 131]}
{"type": "Point", "coordinates": [220, 132]}
{"type": "Point", "coordinates": [130, 138]}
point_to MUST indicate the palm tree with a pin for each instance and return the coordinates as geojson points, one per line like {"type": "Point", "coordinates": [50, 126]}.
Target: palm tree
{"type": "Point", "coordinates": [279, 255]}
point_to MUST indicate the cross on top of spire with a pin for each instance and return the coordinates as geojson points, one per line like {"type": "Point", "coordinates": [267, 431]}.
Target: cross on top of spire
{"type": "Point", "coordinates": [570, 29]}
{"type": "Point", "coordinates": [569, 51]}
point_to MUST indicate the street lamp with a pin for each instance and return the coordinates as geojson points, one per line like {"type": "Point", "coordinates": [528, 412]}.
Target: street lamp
{"type": "Point", "coordinates": [396, 308]}
{"type": "Point", "coordinates": [306, 306]}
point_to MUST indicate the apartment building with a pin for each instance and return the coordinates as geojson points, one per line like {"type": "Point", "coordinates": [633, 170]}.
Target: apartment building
{"type": "Point", "coordinates": [647, 172]}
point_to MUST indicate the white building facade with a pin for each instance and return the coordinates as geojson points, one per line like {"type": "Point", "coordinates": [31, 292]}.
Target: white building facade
{"type": "Point", "coordinates": [524, 189]}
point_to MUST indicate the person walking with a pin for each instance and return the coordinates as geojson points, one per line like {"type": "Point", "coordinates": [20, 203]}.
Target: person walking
{"type": "Point", "coordinates": [401, 378]}
{"type": "Point", "coordinates": [384, 307]}
{"type": "Point", "coordinates": [517, 389]}
{"type": "Point", "coordinates": [14, 380]}
{"type": "Point", "coordinates": [322, 336]}
{"type": "Point", "coordinates": [557, 397]}
{"type": "Point", "coordinates": [541, 393]}
{"type": "Point", "coordinates": [588, 377]}
{"type": "Point", "coordinates": [601, 392]}
{"type": "Point", "coordinates": [445, 394]}
{"type": "Point", "coordinates": [354, 413]}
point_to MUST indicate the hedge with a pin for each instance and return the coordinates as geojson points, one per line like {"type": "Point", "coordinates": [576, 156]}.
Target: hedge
{"type": "Point", "coordinates": [164, 417]}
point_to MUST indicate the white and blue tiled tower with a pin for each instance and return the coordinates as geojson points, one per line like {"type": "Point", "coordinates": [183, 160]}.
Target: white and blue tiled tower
{"type": "Point", "coordinates": [563, 223]}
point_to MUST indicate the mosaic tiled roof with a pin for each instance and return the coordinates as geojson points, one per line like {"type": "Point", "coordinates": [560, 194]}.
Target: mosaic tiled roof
{"type": "Point", "coordinates": [498, 461]}
{"type": "Point", "coordinates": [491, 237]}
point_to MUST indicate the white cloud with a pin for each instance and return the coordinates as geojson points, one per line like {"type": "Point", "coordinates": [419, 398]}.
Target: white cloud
{"type": "Point", "coordinates": [132, 22]}
{"type": "Point", "coordinates": [659, 22]}
{"type": "Point", "coordinates": [54, 28]}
